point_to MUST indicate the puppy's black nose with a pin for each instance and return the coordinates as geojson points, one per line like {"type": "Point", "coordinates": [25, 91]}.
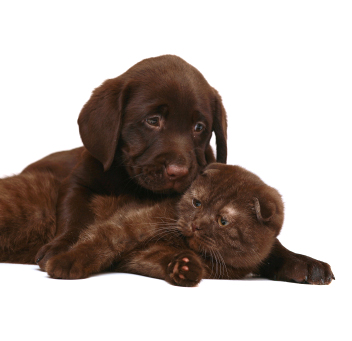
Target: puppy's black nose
{"type": "Point", "coordinates": [175, 172]}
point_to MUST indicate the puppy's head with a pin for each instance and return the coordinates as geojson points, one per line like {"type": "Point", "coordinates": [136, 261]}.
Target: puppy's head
{"type": "Point", "coordinates": [158, 118]}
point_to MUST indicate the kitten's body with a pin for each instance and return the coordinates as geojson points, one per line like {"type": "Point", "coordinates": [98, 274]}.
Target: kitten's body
{"type": "Point", "coordinates": [177, 240]}
{"type": "Point", "coordinates": [224, 226]}
{"type": "Point", "coordinates": [170, 239]}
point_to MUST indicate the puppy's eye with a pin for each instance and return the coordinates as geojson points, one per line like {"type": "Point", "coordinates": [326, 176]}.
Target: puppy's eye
{"type": "Point", "coordinates": [222, 221]}
{"type": "Point", "coordinates": [199, 127]}
{"type": "Point", "coordinates": [153, 121]}
{"type": "Point", "coordinates": [196, 203]}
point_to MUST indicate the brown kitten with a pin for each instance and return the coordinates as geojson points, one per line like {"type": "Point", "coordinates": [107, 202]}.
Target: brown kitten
{"type": "Point", "coordinates": [27, 215]}
{"type": "Point", "coordinates": [224, 226]}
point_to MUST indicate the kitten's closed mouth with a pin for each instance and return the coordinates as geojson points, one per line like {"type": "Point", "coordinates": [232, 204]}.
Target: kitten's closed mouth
{"type": "Point", "coordinates": [187, 232]}
{"type": "Point", "coordinates": [192, 242]}
{"type": "Point", "coordinates": [191, 238]}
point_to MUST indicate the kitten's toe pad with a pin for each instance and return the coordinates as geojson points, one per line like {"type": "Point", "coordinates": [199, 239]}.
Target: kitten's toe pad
{"type": "Point", "coordinates": [185, 270]}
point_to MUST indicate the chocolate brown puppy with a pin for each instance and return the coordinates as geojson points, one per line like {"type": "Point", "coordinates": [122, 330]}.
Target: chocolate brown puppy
{"type": "Point", "coordinates": [146, 131]}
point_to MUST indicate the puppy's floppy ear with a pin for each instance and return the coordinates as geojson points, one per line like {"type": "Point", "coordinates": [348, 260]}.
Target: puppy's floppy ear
{"type": "Point", "coordinates": [220, 128]}
{"type": "Point", "coordinates": [100, 120]}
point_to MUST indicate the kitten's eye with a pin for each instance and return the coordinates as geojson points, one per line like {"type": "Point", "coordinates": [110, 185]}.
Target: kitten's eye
{"type": "Point", "coordinates": [222, 221]}
{"type": "Point", "coordinates": [196, 203]}
{"type": "Point", "coordinates": [153, 121]}
{"type": "Point", "coordinates": [199, 127]}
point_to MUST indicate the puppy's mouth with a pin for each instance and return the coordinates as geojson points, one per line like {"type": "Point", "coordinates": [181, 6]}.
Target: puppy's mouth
{"type": "Point", "coordinates": [158, 179]}
{"type": "Point", "coordinates": [163, 185]}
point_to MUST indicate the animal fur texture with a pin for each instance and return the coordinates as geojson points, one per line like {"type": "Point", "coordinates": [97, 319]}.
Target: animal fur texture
{"type": "Point", "coordinates": [224, 226]}
{"type": "Point", "coordinates": [146, 134]}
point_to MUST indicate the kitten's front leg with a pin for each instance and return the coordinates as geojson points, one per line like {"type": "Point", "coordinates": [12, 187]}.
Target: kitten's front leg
{"type": "Point", "coordinates": [176, 266]}
{"type": "Point", "coordinates": [185, 269]}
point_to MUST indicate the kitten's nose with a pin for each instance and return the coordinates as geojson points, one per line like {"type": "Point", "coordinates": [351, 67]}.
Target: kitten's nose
{"type": "Point", "coordinates": [195, 227]}
{"type": "Point", "coordinates": [175, 172]}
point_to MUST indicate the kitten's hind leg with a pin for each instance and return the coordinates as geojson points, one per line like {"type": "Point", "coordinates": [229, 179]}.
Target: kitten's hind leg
{"type": "Point", "coordinates": [284, 265]}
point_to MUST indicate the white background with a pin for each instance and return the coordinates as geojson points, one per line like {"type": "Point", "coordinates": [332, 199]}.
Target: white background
{"type": "Point", "coordinates": [284, 71]}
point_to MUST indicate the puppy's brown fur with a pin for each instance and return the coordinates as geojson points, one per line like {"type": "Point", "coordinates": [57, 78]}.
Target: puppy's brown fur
{"type": "Point", "coordinates": [146, 131]}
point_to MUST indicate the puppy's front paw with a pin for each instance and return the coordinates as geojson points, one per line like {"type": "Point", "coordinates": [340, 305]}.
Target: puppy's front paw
{"type": "Point", "coordinates": [185, 270]}
{"type": "Point", "coordinates": [67, 266]}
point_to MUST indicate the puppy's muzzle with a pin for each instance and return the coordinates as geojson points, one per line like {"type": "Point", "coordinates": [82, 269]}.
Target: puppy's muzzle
{"type": "Point", "coordinates": [176, 172]}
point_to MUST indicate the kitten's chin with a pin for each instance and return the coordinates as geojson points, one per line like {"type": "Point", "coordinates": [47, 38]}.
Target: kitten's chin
{"type": "Point", "coordinates": [193, 243]}
{"type": "Point", "coordinates": [191, 238]}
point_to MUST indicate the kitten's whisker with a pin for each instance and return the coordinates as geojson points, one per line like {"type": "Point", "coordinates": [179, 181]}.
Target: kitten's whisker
{"type": "Point", "coordinates": [157, 234]}
{"type": "Point", "coordinates": [223, 263]}
{"type": "Point", "coordinates": [216, 263]}
{"type": "Point", "coordinates": [158, 224]}
{"type": "Point", "coordinates": [168, 218]}
{"type": "Point", "coordinates": [162, 233]}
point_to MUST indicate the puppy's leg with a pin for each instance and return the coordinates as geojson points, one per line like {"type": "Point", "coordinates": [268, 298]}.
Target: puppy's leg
{"type": "Point", "coordinates": [71, 208]}
{"type": "Point", "coordinates": [284, 265]}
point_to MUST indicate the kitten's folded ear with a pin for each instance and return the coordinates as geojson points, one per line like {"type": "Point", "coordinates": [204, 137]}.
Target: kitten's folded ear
{"type": "Point", "coordinates": [269, 208]}
{"type": "Point", "coordinates": [264, 211]}
{"type": "Point", "coordinates": [214, 166]}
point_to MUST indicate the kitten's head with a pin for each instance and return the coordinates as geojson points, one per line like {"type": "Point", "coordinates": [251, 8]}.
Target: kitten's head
{"type": "Point", "coordinates": [231, 214]}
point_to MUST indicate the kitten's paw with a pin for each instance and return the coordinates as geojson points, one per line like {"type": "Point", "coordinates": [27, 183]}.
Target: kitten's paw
{"type": "Point", "coordinates": [67, 266]}
{"type": "Point", "coordinates": [48, 251]}
{"type": "Point", "coordinates": [185, 270]}
{"type": "Point", "coordinates": [303, 269]}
